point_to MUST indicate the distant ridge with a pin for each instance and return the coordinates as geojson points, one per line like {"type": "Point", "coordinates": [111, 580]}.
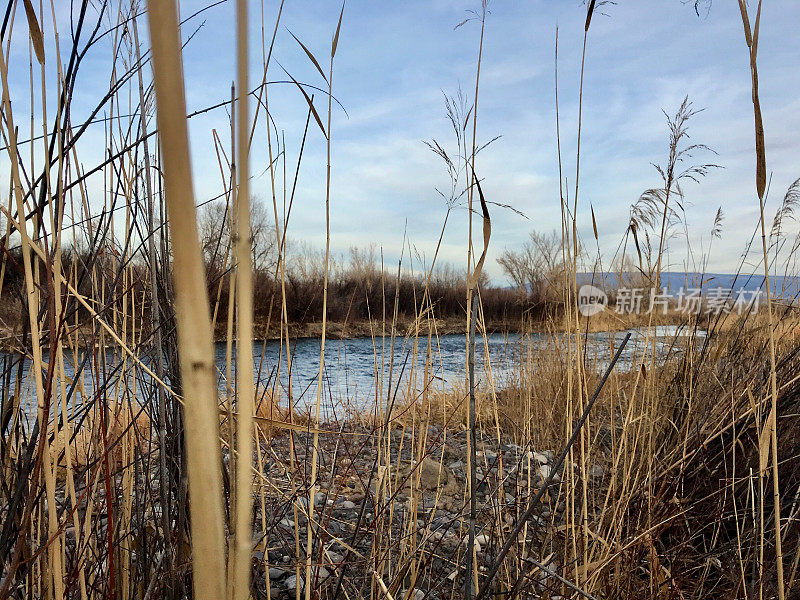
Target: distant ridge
{"type": "Point", "coordinates": [787, 287]}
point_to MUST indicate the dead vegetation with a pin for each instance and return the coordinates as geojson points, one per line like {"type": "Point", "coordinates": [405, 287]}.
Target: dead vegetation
{"type": "Point", "coordinates": [135, 465]}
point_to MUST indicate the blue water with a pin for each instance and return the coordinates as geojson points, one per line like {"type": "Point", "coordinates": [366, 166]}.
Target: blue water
{"type": "Point", "coordinates": [359, 374]}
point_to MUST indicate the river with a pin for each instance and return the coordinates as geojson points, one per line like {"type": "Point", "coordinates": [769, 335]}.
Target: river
{"type": "Point", "coordinates": [358, 373]}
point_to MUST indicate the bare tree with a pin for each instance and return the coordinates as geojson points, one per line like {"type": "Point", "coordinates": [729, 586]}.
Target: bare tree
{"type": "Point", "coordinates": [534, 267]}
{"type": "Point", "coordinates": [214, 223]}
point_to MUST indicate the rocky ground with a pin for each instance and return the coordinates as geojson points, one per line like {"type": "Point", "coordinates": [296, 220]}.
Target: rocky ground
{"type": "Point", "coordinates": [405, 518]}
{"type": "Point", "coordinates": [387, 511]}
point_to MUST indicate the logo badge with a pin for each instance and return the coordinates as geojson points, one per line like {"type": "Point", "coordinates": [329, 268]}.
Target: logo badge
{"type": "Point", "coordinates": [591, 300]}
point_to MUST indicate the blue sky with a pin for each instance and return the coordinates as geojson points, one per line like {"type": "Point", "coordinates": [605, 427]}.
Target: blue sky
{"type": "Point", "coordinates": [395, 60]}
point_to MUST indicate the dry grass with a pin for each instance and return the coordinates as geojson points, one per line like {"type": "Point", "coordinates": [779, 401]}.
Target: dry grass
{"type": "Point", "coordinates": [135, 466]}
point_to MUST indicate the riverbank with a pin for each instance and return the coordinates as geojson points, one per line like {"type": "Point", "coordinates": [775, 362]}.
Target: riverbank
{"type": "Point", "coordinates": [86, 336]}
{"type": "Point", "coordinates": [369, 329]}
{"type": "Point", "coordinates": [388, 498]}
{"type": "Point", "coordinates": [608, 321]}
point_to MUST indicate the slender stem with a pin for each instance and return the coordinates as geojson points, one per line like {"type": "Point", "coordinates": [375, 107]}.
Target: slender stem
{"type": "Point", "coordinates": [244, 321]}
{"type": "Point", "coordinates": [196, 352]}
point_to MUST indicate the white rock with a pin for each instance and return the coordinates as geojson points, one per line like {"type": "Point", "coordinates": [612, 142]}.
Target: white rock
{"type": "Point", "coordinates": [596, 472]}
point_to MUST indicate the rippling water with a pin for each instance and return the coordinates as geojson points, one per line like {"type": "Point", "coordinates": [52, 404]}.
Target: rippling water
{"type": "Point", "coordinates": [358, 372]}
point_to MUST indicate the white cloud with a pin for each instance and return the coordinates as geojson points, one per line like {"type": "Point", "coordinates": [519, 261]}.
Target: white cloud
{"type": "Point", "coordinates": [396, 58]}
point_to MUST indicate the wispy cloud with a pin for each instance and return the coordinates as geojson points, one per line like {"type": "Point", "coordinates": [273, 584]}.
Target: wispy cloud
{"type": "Point", "coordinates": [396, 59]}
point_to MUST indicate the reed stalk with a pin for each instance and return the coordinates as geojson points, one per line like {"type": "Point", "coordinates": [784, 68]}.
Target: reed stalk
{"type": "Point", "coordinates": [751, 37]}
{"type": "Point", "coordinates": [244, 314]}
{"type": "Point", "coordinates": [194, 326]}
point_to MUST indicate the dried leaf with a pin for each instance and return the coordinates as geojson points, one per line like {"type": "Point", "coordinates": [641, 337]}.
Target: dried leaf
{"type": "Point", "coordinates": [310, 104]}
{"type": "Point", "coordinates": [487, 232]}
{"type": "Point", "coordinates": [594, 222]}
{"type": "Point", "coordinates": [589, 15]}
{"type": "Point", "coordinates": [35, 32]}
{"type": "Point", "coordinates": [761, 156]}
{"type": "Point", "coordinates": [746, 22]}
{"type": "Point", "coordinates": [764, 439]}
{"type": "Point", "coordinates": [310, 56]}
{"type": "Point", "coordinates": [636, 243]}
{"type": "Point", "coordinates": [336, 36]}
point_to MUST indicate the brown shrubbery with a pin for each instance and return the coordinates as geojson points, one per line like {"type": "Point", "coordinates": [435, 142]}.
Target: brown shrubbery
{"type": "Point", "coordinates": [358, 289]}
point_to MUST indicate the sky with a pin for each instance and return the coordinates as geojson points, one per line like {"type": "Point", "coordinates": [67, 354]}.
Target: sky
{"type": "Point", "coordinates": [395, 62]}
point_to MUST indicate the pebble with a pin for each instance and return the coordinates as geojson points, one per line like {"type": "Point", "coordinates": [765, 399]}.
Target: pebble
{"type": "Point", "coordinates": [540, 458]}
{"type": "Point", "coordinates": [323, 573]}
{"type": "Point", "coordinates": [546, 470]}
{"type": "Point", "coordinates": [348, 505]}
{"type": "Point", "coordinates": [294, 582]}
{"type": "Point", "coordinates": [276, 573]}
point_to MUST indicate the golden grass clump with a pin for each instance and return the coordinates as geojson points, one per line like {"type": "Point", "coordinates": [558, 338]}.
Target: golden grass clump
{"type": "Point", "coordinates": [268, 414]}
{"type": "Point", "coordinates": [125, 434]}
